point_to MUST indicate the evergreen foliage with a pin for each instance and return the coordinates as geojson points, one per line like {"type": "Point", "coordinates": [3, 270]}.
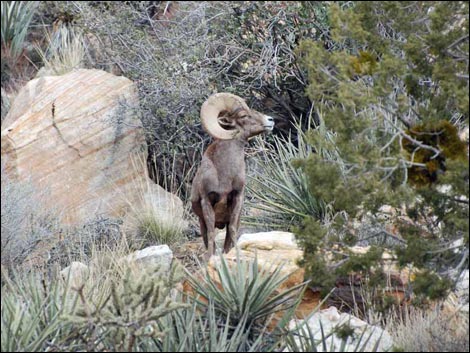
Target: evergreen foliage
{"type": "Point", "coordinates": [393, 88]}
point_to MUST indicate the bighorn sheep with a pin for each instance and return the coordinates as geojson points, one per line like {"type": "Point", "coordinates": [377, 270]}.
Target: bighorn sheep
{"type": "Point", "coordinates": [218, 186]}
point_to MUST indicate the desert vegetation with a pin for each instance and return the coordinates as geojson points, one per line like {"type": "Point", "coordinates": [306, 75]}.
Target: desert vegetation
{"type": "Point", "coordinates": [367, 166]}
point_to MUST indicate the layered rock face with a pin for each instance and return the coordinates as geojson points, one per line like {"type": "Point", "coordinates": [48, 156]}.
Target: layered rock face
{"type": "Point", "coordinates": [76, 138]}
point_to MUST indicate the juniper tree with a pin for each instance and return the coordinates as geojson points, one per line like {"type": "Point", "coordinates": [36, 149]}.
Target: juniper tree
{"type": "Point", "coordinates": [392, 85]}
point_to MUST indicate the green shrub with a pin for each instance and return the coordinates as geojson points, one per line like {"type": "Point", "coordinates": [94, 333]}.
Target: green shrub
{"type": "Point", "coordinates": [129, 313]}
{"type": "Point", "coordinates": [112, 311]}
{"type": "Point", "coordinates": [392, 95]}
{"type": "Point", "coordinates": [278, 187]}
{"type": "Point", "coordinates": [16, 18]}
{"type": "Point", "coordinates": [157, 230]}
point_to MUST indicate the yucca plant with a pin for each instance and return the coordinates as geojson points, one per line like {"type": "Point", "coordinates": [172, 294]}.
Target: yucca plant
{"type": "Point", "coordinates": [16, 18]}
{"type": "Point", "coordinates": [279, 188]}
{"type": "Point", "coordinates": [32, 314]}
{"type": "Point", "coordinates": [190, 330]}
{"type": "Point", "coordinates": [247, 293]}
{"type": "Point", "coordinates": [65, 50]}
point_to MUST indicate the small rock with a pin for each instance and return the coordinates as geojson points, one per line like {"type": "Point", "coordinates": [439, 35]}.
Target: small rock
{"type": "Point", "coordinates": [332, 321]}
{"type": "Point", "coordinates": [462, 291]}
{"type": "Point", "coordinates": [77, 273]}
{"type": "Point", "coordinates": [268, 241]}
{"type": "Point", "coordinates": [270, 248]}
{"type": "Point", "coordinates": [158, 255]}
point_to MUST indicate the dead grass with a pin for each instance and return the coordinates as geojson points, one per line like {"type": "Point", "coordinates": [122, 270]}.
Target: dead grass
{"type": "Point", "coordinates": [154, 216]}
{"type": "Point", "coordinates": [65, 51]}
{"type": "Point", "coordinates": [437, 330]}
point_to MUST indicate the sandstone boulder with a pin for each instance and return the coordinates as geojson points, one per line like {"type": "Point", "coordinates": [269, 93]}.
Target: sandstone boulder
{"type": "Point", "coordinates": [76, 138]}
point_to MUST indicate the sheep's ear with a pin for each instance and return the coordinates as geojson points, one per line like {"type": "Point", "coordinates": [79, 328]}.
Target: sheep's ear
{"type": "Point", "coordinates": [226, 123]}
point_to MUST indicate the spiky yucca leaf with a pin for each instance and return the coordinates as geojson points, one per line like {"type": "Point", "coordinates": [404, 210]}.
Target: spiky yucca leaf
{"type": "Point", "coordinates": [31, 314]}
{"type": "Point", "coordinates": [279, 188]}
{"type": "Point", "coordinates": [245, 291]}
{"type": "Point", "coordinates": [190, 330]}
{"type": "Point", "coordinates": [16, 17]}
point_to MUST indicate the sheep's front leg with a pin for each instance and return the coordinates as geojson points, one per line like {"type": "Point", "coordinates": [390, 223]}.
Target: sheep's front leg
{"type": "Point", "coordinates": [209, 220]}
{"type": "Point", "coordinates": [231, 236]}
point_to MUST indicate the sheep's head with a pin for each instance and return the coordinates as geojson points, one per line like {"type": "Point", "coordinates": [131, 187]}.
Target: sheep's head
{"type": "Point", "coordinates": [226, 116]}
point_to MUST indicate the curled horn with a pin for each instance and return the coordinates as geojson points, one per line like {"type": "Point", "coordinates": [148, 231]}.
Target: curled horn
{"type": "Point", "coordinates": [211, 110]}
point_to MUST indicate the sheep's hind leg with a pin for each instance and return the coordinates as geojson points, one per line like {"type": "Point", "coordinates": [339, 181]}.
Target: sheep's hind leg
{"type": "Point", "coordinates": [202, 227]}
{"type": "Point", "coordinates": [197, 208]}
{"type": "Point", "coordinates": [231, 236]}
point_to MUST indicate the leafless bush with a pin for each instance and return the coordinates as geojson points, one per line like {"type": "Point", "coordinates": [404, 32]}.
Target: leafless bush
{"type": "Point", "coordinates": [165, 56]}
{"type": "Point", "coordinates": [179, 53]}
{"type": "Point", "coordinates": [32, 235]}
{"type": "Point", "coordinates": [81, 242]}
{"type": "Point", "coordinates": [25, 227]}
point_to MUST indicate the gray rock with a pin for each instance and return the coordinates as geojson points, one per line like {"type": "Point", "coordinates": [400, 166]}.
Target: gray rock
{"type": "Point", "coordinates": [462, 291]}
{"type": "Point", "coordinates": [158, 255]}
{"type": "Point", "coordinates": [332, 320]}
{"type": "Point", "coordinates": [76, 274]}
